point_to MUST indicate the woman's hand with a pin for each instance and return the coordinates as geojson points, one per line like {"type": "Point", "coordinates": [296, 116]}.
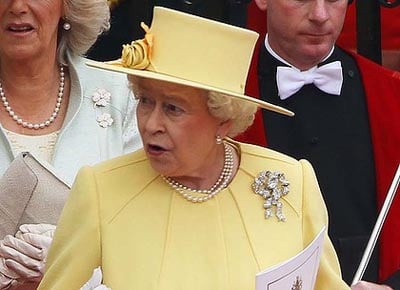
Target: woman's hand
{"type": "Point", "coordinates": [7, 277]}
{"type": "Point", "coordinates": [363, 285]}
{"type": "Point", "coordinates": [95, 282]}
{"type": "Point", "coordinates": [5, 282]}
{"type": "Point", "coordinates": [25, 254]}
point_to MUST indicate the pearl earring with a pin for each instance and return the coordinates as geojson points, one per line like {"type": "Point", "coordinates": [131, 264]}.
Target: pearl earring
{"type": "Point", "coordinates": [66, 26]}
{"type": "Point", "coordinates": [218, 139]}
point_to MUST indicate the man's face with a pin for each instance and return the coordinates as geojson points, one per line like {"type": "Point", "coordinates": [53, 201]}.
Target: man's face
{"type": "Point", "coordinates": [304, 31]}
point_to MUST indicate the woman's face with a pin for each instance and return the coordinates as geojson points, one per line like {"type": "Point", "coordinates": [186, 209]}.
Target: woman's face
{"type": "Point", "coordinates": [177, 129]}
{"type": "Point", "coordinates": [28, 28]}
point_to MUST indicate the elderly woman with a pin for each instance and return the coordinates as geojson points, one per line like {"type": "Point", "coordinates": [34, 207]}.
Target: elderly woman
{"type": "Point", "coordinates": [193, 209]}
{"type": "Point", "coordinates": [57, 108]}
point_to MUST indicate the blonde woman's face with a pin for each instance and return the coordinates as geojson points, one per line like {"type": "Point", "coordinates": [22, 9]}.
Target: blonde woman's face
{"type": "Point", "coordinates": [177, 129]}
{"type": "Point", "coordinates": [28, 28]}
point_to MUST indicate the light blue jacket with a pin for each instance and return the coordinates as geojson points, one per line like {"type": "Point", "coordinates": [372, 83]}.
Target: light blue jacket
{"type": "Point", "coordinates": [82, 140]}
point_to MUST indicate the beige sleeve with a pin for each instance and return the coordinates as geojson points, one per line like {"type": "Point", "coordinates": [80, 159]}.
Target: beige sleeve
{"type": "Point", "coordinates": [315, 217]}
{"type": "Point", "coordinates": [76, 248]}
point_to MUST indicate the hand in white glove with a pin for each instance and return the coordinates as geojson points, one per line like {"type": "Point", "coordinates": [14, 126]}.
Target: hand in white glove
{"type": "Point", "coordinates": [40, 229]}
{"type": "Point", "coordinates": [94, 283]}
{"type": "Point", "coordinates": [26, 253]}
{"type": "Point", "coordinates": [7, 277]}
{"type": "Point", "coordinates": [23, 258]}
{"type": "Point", "coordinates": [5, 282]}
{"type": "Point", "coordinates": [364, 285]}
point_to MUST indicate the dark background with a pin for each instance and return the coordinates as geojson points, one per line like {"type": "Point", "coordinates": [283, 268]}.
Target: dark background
{"type": "Point", "coordinates": [127, 15]}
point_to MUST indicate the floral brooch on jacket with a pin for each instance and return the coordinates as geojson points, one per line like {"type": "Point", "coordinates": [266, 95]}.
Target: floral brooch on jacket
{"type": "Point", "coordinates": [101, 98]}
{"type": "Point", "coordinates": [272, 186]}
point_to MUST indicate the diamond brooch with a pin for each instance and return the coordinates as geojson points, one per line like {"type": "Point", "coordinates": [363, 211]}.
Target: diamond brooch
{"type": "Point", "coordinates": [271, 186]}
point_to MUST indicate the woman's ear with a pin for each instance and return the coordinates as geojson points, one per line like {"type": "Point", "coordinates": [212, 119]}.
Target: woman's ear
{"type": "Point", "coordinates": [262, 4]}
{"type": "Point", "coordinates": [224, 127]}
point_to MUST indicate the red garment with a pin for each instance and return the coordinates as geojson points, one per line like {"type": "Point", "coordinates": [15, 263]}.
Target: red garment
{"type": "Point", "coordinates": [390, 28]}
{"type": "Point", "coordinates": [382, 89]}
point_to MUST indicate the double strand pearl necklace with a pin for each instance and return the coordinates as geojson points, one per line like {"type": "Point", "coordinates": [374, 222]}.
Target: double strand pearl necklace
{"type": "Point", "coordinates": [48, 121]}
{"type": "Point", "coordinates": [221, 183]}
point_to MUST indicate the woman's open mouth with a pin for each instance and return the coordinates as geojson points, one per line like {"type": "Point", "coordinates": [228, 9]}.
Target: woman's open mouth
{"type": "Point", "coordinates": [155, 149]}
{"type": "Point", "coordinates": [20, 29]}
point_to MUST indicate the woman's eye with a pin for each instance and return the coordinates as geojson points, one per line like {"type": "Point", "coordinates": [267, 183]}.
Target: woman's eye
{"type": "Point", "coordinates": [145, 103]}
{"type": "Point", "coordinates": [144, 100]}
{"type": "Point", "coordinates": [172, 109]}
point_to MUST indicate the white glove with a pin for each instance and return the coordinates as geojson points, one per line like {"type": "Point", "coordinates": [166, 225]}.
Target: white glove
{"type": "Point", "coordinates": [23, 258]}
{"type": "Point", "coordinates": [7, 277]}
{"type": "Point", "coordinates": [94, 283]}
{"type": "Point", "coordinates": [364, 285]}
{"type": "Point", "coordinates": [5, 282]}
{"type": "Point", "coordinates": [40, 229]}
{"type": "Point", "coordinates": [25, 254]}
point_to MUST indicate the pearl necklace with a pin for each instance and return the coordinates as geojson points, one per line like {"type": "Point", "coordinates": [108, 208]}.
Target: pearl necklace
{"type": "Point", "coordinates": [47, 122]}
{"type": "Point", "coordinates": [221, 183]}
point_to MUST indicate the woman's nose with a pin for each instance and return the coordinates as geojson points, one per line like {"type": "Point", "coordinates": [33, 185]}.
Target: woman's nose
{"type": "Point", "coordinates": [155, 121]}
{"type": "Point", "coordinates": [18, 6]}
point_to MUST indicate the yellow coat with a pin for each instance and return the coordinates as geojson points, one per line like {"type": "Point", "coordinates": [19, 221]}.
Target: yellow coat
{"type": "Point", "coordinates": [123, 216]}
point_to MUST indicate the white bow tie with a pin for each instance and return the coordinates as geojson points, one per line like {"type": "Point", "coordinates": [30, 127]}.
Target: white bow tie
{"type": "Point", "coordinates": [327, 78]}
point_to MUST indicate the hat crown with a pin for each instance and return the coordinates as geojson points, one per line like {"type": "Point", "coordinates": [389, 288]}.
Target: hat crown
{"type": "Point", "coordinates": [201, 50]}
{"type": "Point", "coordinates": [192, 51]}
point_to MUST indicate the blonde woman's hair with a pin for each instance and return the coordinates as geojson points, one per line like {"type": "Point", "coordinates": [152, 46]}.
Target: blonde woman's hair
{"type": "Point", "coordinates": [88, 19]}
{"type": "Point", "coordinates": [225, 107]}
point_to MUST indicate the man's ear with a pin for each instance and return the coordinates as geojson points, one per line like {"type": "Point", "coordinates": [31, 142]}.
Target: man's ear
{"type": "Point", "coordinates": [262, 4]}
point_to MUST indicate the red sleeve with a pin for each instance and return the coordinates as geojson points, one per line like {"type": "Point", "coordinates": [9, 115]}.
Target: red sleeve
{"type": "Point", "coordinates": [390, 27]}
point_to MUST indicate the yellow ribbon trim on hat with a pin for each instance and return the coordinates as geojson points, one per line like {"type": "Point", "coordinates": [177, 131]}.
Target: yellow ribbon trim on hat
{"type": "Point", "coordinates": [112, 3]}
{"type": "Point", "coordinates": [137, 55]}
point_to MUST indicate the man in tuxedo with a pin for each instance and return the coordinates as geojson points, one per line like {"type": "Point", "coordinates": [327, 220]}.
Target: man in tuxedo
{"type": "Point", "coordinates": [347, 124]}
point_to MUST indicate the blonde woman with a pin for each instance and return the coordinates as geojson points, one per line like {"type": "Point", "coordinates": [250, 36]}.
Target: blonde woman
{"type": "Point", "coordinates": [55, 107]}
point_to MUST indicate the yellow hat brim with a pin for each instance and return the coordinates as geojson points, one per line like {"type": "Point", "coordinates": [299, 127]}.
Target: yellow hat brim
{"type": "Point", "coordinates": [117, 66]}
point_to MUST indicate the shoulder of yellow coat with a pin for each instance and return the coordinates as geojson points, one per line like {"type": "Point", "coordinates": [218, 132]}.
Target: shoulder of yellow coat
{"type": "Point", "coordinates": [262, 152]}
{"type": "Point", "coordinates": [122, 161]}
{"type": "Point", "coordinates": [121, 179]}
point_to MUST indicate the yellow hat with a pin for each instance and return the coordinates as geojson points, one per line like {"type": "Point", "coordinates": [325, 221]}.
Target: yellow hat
{"type": "Point", "coordinates": [193, 51]}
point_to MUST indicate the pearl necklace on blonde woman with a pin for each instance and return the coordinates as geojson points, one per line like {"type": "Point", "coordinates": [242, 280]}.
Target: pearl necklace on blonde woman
{"type": "Point", "coordinates": [45, 123]}
{"type": "Point", "coordinates": [220, 184]}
